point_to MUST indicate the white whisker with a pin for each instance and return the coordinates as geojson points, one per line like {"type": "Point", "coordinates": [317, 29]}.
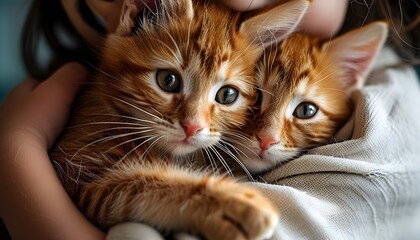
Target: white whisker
{"type": "Point", "coordinates": [105, 123]}
{"type": "Point", "coordinates": [211, 159]}
{"type": "Point", "coordinates": [231, 142]}
{"type": "Point", "coordinates": [127, 117]}
{"type": "Point", "coordinates": [135, 107]}
{"type": "Point", "coordinates": [150, 147]}
{"type": "Point", "coordinates": [239, 135]}
{"type": "Point", "coordinates": [127, 141]}
{"type": "Point", "coordinates": [222, 161]}
{"type": "Point", "coordinates": [136, 147]}
{"type": "Point", "coordinates": [237, 160]}
{"type": "Point", "coordinates": [103, 140]}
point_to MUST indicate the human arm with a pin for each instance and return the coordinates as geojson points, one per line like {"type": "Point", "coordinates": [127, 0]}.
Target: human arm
{"type": "Point", "coordinates": [34, 204]}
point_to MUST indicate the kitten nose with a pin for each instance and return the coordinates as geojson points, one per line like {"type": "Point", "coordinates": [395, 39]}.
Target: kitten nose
{"type": "Point", "coordinates": [266, 141]}
{"type": "Point", "coordinates": [190, 129]}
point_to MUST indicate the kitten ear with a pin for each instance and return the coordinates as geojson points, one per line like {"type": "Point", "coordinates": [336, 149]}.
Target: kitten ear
{"type": "Point", "coordinates": [180, 9]}
{"type": "Point", "coordinates": [162, 10]}
{"type": "Point", "coordinates": [270, 27]}
{"type": "Point", "coordinates": [356, 51]}
{"type": "Point", "coordinates": [129, 11]}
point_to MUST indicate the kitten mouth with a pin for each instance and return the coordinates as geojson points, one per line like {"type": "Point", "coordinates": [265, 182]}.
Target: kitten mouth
{"type": "Point", "coordinates": [185, 142]}
{"type": "Point", "coordinates": [261, 154]}
{"type": "Point", "coordinates": [181, 148]}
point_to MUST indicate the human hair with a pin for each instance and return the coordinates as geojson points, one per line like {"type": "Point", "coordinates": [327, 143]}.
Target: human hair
{"type": "Point", "coordinates": [47, 19]}
{"type": "Point", "coordinates": [403, 18]}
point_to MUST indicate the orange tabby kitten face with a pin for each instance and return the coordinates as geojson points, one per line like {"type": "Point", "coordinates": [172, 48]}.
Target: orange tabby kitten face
{"type": "Point", "coordinates": [305, 94]}
{"type": "Point", "coordinates": [183, 82]}
{"type": "Point", "coordinates": [182, 74]}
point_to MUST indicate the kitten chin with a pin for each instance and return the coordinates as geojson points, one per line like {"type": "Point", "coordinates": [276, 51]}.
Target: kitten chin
{"type": "Point", "coordinates": [175, 142]}
{"type": "Point", "coordinates": [187, 146]}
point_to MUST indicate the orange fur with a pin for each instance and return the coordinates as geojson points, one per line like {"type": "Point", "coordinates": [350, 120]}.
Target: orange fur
{"type": "Point", "coordinates": [300, 70]}
{"type": "Point", "coordinates": [125, 155]}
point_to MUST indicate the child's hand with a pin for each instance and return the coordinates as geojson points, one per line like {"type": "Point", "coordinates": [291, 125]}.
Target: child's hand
{"type": "Point", "coordinates": [33, 203]}
{"type": "Point", "coordinates": [37, 111]}
{"type": "Point", "coordinates": [323, 18]}
{"type": "Point", "coordinates": [247, 5]}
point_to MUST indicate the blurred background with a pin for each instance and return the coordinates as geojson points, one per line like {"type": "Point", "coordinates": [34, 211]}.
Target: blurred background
{"type": "Point", "coordinates": [12, 71]}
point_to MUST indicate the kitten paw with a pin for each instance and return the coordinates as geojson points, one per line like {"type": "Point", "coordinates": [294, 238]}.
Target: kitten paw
{"type": "Point", "coordinates": [243, 215]}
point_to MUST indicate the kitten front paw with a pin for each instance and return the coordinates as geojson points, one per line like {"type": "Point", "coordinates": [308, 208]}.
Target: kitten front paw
{"type": "Point", "coordinates": [243, 214]}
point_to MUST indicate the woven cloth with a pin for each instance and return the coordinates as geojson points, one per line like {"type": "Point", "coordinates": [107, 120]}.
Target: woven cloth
{"type": "Point", "coordinates": [367, 184]}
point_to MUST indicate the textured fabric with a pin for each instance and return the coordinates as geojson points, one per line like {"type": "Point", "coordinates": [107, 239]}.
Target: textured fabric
{"type": "Point", "coordinates": [367, 185]}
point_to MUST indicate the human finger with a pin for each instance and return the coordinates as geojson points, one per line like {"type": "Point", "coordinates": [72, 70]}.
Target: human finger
{"type": "Point", "coordinates": [53, 98]}
{"type": "Point", "coordinates": [22, 90]}
{"type": "Point", "coordinates": [247, 5]}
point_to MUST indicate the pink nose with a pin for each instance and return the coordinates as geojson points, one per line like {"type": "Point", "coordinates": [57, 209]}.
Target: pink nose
{"type": "Point", "coordinates": [190, 129]}
{"type": "Point", "coordinates": [266, 141]}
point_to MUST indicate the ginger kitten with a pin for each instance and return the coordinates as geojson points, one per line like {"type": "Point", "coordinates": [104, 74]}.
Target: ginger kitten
{"type": "Point", "coordinates": [171, 82]}
{"type": "Point", "coordinates": [305, 94]}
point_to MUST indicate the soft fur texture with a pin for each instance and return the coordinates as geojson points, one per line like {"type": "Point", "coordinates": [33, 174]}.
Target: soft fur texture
{"type": "Point", "coordinates": [126, 154]}
{"type": "Point", "coordinates": [299, 74]}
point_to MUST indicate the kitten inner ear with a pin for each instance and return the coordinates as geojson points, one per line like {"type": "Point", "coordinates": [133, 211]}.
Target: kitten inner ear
{"type": "Point", "coordinates": [163, 10]}
{"type": "Point", "coordinates": [128, 14]}
{"type": "Point", "coordinates": [272, 26]}
{"type": "Point", "coordinates": [356, 51]}
{"type": "Point", "coordinates": [179, 9]}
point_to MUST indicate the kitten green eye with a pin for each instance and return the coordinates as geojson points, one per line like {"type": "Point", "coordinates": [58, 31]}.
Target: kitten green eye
{"type": "Point", "coordinates": [305, 110]}
{"type": "Point", "coordinates": [227, 95]}
{"type": "Point", "coordinates": [168, 80]}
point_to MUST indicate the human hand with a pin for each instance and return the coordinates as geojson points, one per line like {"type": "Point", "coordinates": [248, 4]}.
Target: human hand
{"type": "Point", "coordinates": [323, 18]}
{"type": "Point", "coordinates": [34, 204]}
{"type": "Point", "coordinates": [247, 5]}
{"type": "Point", "coordinates": [37, 111]}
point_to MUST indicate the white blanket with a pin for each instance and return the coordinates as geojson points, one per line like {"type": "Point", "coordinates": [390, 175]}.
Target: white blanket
{"type": "Point", "coordinates": [366, 187]}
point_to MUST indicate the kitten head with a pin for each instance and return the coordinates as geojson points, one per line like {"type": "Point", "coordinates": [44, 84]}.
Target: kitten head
{"type": "Point", "coordinates": [183, 70]}
{"type": "Point", "coordinates": [305, 93]}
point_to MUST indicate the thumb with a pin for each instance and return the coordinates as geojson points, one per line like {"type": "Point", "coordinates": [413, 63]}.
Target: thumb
{"type": "Point", "coordinates": [65, 83]}
{"type": "Point", "coordinates": [54, 97]}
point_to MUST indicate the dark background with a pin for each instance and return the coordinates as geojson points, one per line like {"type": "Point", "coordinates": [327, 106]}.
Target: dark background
{"type": "Point", "coordinates": [12, 71]}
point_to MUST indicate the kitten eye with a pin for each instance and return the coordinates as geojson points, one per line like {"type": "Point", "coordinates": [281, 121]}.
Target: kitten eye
{"type": "Point", "coordinates": [305, 110]}
{"type": "Point", "coordinates": [168, 81]}
{"type": "Point", "coordinates": [227, 95]}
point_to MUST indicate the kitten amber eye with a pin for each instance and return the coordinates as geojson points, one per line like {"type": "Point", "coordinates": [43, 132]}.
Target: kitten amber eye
{"type": "Point", "coordinates": [305, 110]}
{"type": "Point", "coordinates": [168, 81]}
{"type": "Point", "coordinates": [227, 95]}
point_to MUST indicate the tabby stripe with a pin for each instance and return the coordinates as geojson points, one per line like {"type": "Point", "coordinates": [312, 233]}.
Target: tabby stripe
{"type": "Point", "coordinates": [331, 116]}
{"type": "Point", "coordinates": [304, 74]}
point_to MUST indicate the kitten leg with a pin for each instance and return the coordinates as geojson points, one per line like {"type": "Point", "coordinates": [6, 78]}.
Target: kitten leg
{"type": "Point", "coordinates": [177, 199]}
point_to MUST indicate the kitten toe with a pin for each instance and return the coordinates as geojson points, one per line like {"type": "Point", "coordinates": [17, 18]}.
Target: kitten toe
{"type": "Point", "coordinates": [253, 215]}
